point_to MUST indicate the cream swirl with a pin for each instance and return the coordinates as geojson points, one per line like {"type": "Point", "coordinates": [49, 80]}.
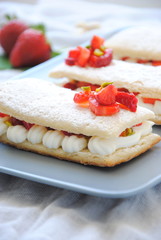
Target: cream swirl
{"type": "Point", "coordinates": [53, 139]}
{"type": "Point", "coordinates": [74, 143]}
{"type": "Point", "coordinates": [102, 146]}
{"type": "Point", "coordinates": [36, 133]}
{"type": "Point", "coordinates": [17, 134]}
{"type": "Point", "coordinates": [105, 146]}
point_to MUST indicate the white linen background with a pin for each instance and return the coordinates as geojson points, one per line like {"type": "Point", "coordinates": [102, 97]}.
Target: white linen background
{"type": "Point", "coordinates": [34, 211]}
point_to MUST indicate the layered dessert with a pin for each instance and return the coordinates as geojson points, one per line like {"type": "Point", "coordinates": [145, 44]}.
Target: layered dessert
{"type": "Point", "coordinates": [141, 44]}
{"type": "Point", "coordinates": [99, 67]}
{"type": "Point", "coordinates": [101, 128]}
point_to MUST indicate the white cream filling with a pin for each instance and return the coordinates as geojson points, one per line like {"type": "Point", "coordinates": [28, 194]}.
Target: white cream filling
{"type": "Point", "coordinates": [104, 146]}
{"type": "Point", "coordinates": [156, 107]}
{"type": "Point", "coordinates": [54, 139]}
{"type": "Point", "coordinates": [36, 133]}
{"type": "Point", "coordinates": [17, 134]}
{"type": "Point", "coordinates": [74, 143]}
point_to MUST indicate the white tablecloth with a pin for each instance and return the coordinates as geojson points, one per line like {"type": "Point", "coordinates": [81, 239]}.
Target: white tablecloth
{"type": "Point", "coordinates": [33, 211]}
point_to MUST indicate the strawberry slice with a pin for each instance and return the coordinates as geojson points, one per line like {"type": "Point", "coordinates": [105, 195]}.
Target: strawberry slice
{"type": "Point", "coordinates": [3, 115]}
{"type": "Point", "coordinates": [70, 85]}
{"type": "Point", "coordinates": [74, 53]}
{"type": "Point", "coordinates": [81, 97]}
{"type": "Point", "coordinates": [70, 61]}
{"type": "Point", "coordinates": [27, 125]}
{"type": "Point", "coordinates": [83, 56]}
{"type": "Point", "coordinates": [150, 100]}
{"type": "Point", "coordinates": [127, 99]}
{"type": "Point", "coordinates": [124, 58]}
{"type": "Point", "coordinates": [97, 42]}
{"type": "Point", "coordinates": [156, 63]}
{"type": "Point", "coordinates": [101, 61]}
{"type": "Point", "coordinates": [102, 110]}
{"type": "Point", "coordinates": [16, 121]}
{"type": "Point", "coordinates": [142, 61]}
{"type": "Point", "coordinates": [107, 95]}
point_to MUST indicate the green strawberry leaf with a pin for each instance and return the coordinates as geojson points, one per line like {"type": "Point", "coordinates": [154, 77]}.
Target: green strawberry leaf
{"type": "Point", "coordinates": [10, 17]}
{"type": "Point", "coordinates": [4, 63]}
{"type": "Point", "coordinates": [40, 27]}
{"type": "Point", "coordinates": [54, 54]}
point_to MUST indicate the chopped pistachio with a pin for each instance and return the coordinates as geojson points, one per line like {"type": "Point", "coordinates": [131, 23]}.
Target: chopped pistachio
{"type": "Point", "coordinates": [97, 52]}
{"type": "Point", "coordinates": [98, 89]}
{"type": "Point", "coordinates": [127, 132]}
{"type": "Point", "coordinates": [103, 48]}
{"type": "Point", "coordinates": [86, 88]}
{"type": "Point", "coordinates": [8, 123]}
{"type": "Point", "coordinates": [103, 85]}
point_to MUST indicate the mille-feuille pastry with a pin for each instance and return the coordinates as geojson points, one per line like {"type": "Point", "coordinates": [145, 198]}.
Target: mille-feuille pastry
{"type": "Point", "coordinates": [141, 44]}
{"type": "Point", "coordinates": [41, 117]}
{"type": "Point", "coordinates": [143, 81]}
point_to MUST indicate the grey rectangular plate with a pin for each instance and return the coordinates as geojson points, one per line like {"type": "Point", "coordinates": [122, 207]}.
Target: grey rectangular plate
{"type": "Point", "coordinates": [118, 182]}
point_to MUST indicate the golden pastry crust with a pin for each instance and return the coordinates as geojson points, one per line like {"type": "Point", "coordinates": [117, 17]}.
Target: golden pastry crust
{"type": "Point", "coordinates": [43, 103]}
{"type": "Point", "coordinates": [87, 158]}
{"type": "Point", "coordinates": [142, 42]}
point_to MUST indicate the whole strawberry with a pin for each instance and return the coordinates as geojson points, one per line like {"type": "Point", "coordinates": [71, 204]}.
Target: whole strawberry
{"type": "Point", "coordinates": [9, 34]}
{"type": "Point", "coordinates": [31, 48]}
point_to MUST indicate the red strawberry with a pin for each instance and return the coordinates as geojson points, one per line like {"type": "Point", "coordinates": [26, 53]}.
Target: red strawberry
{"type": "Point", "coordinates": [97, 42]}
{"type": "Point", "coordinates": [106, 95]}
{"type": "Point", "coordinates": [31, 48]}
{"type": "Point", "coordinates": [9, 34]}
{"type": "Point", "coordinates": [102, 110]}
{"type": "Point", "coordinates": [70, 85]}
{"type": "Point", "coordinates": [83, 56]}
{"type": "Point", "coordinates": [101, 61]}
{"type": "Point", "coordinates": [127, 99]}
{"type": "Point", "coordinates": [81, 97]}
{"type": "Point", "coordinates": [27, 125]}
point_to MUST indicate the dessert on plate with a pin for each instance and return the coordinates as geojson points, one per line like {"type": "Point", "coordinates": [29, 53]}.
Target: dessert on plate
{"type": "Point", "coordinates": [143, 81]}
{"type": "Point", "coordinates": [139, 44]}
{"type": "Point", "coordinates": [86, 127]}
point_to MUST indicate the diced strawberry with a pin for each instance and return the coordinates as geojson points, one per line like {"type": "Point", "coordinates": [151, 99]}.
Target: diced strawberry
{"type": "Point", "coordinates": [107, 95]}
{"type": "Point", "coordinates": [101, 61]}
{"type": "Point", "coordinates": [150, 100]}
{"type": "Point", "coordinates": [70, 61]}
{"type": "Point", "coordinates": [83, 56]}
{"type": "Point", "coordinates": [127, 99]}
{"type": "Point", "coordinates": [102, 110]}
{"type": "Point", "coordinates": [3, 115]}
{"type": "Point", "coordinates": [122, 90]}
{"type": "Point", "coordinates": [67, 133]}
{"type": "Point", "coordinates": [138, 125]}
{"type": "Point", "coordinates": [16, 121]}
{"type": "Point", "coordinates": [156, 63]}
{"type": "Point", "coordinates": [124, 58]}
{"type": "Point", "coordinates": [97, 42]}
{"type": "Point", "coordinates": [70, 85]}
{"type": "Point", "coordinates": [142, 61]}
{"type": "Point", "coordinates": [74, 53]}
{"type": "Point", "coordinates": [81, 97]}
{"type": "Point", "coordinates": [27, 125]}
